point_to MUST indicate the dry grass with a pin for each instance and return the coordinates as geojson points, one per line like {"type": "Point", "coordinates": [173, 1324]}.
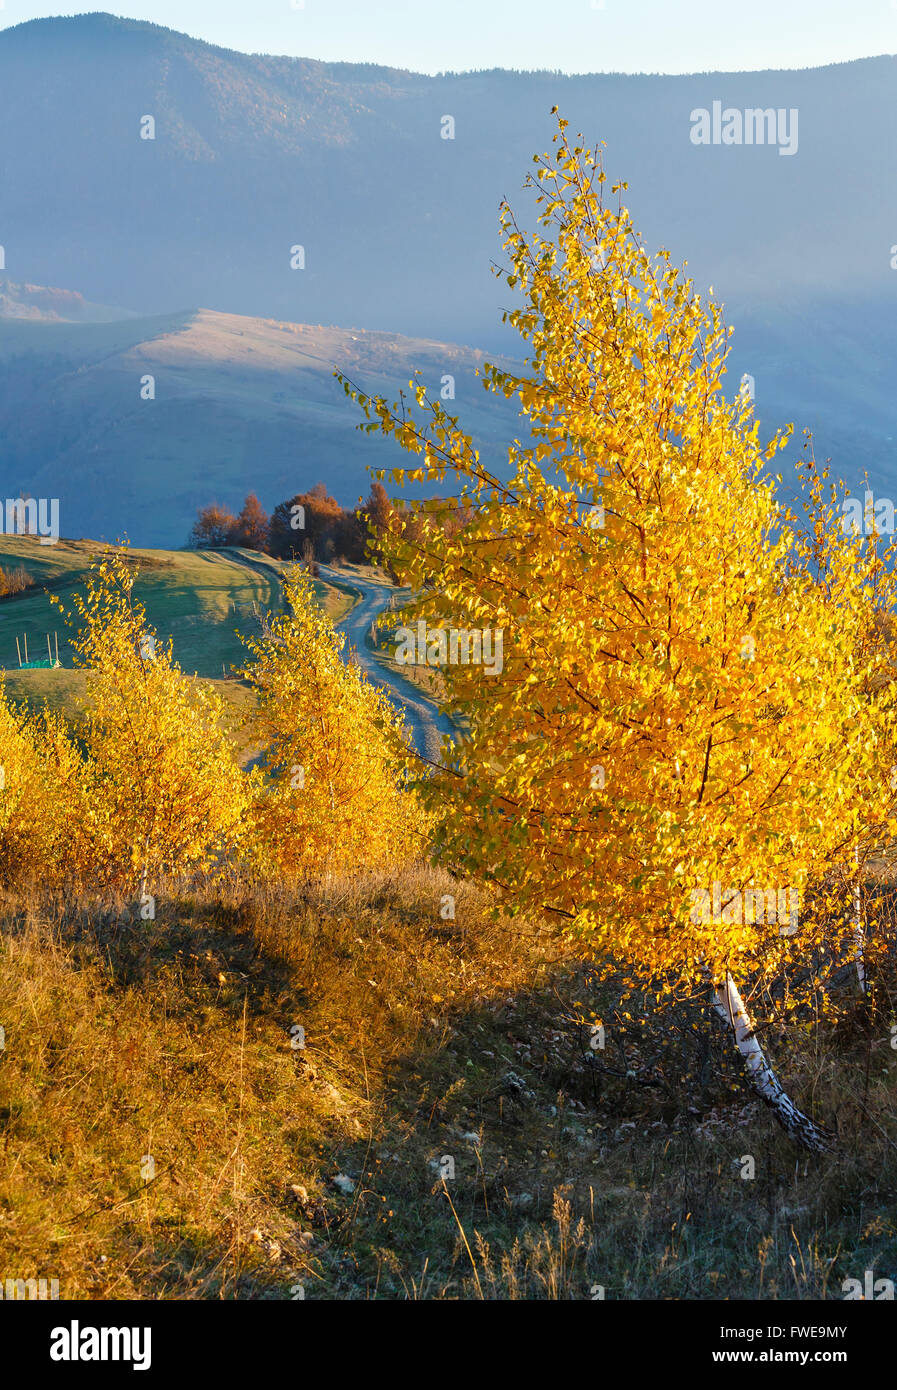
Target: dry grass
{"type": "Point", "coordinates": [425, 1040]}
{"type": "Point", "coordinates": [15, 581]}
{"type": "Point", "coordinates": [171, 1038]}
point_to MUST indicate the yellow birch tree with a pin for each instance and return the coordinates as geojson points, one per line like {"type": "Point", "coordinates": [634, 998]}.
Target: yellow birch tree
{"type": "Point", "coordinates": [336, 755]}
{"type": "Point", "coordinates": [694, 723]}
{"type": "Point", "coordinates": [42, 800]}
{"type": "Point", "coordinates": [166, 794]}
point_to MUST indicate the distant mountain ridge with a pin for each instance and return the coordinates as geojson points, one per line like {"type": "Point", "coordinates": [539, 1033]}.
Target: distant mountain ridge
{"type": "Point", "coordinates": [259, 164]}
{"type": "Point", "coordinates": [45, 302]}
{"type": "Point", "coordinates": [255, 154]}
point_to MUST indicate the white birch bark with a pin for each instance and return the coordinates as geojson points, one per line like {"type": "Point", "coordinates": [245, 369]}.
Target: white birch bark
{"type": "Point", "coordinates": [731, 1008]}
{"type": "Point", "coordinates": [859, 934]}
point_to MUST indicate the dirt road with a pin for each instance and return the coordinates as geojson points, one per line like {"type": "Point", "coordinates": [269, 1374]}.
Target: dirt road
{"type": "Point", "coordinates": [427, 725]}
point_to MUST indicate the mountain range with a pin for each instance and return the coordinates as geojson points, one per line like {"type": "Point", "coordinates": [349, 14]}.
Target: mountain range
{"type": "Point", "coordinates": [287, 191]}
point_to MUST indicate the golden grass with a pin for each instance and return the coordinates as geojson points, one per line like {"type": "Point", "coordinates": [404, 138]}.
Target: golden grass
{"type": "Point", "coordinates": [425, 1039]}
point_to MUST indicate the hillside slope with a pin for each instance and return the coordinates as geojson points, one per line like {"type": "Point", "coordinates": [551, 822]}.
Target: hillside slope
{"type": "Point", "coordinates": [198, 599]}
{"type": "Point", "coordinates": [253, 154]}
{"type": "Point", "coordinates": [240, 404]}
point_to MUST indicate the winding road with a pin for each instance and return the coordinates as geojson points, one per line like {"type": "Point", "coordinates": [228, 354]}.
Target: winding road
{"type": "Point", "coordinates": [427, 725]}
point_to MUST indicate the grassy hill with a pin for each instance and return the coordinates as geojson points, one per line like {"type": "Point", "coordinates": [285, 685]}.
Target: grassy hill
{"type": "Point", "coordinates": [239, 403]}
{"type": "Point", "coordinates": [198, 598]}
{"type": "Point", "coordinates": [321, 1171]}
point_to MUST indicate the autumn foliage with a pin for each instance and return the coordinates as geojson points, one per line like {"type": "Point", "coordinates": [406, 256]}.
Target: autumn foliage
{"type": "Point", "coordinates": [688, 753]}
{"type": "Point", "coordinates": [337, 758]}
{"type": "Point", "coordinates": [148, 783]}
{"type": "Point", "coordinates": [41, 795]}
{"type": "Point", "coordinates": [697, 684]}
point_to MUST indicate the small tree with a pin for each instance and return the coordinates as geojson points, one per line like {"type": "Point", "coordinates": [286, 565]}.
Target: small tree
{"type": "Point", "coordinates": [309, 516]}
{"type": "Point", "coordinates": [336, 753]}
{"type": "Point", "coordinates": [379, 514]}
{"type": "Point", "coordinates": [350, 537]}
{"type": "Point", "coordinates": [165, 791]}
{"type": "Point", "coordinates": [42, 800]}
{"type": "Point", "coordinates": [252, 528]}
{"type": "Point", "coordinates": [214, 526]}
{"type": "Point", "coordinates": [695, 715]}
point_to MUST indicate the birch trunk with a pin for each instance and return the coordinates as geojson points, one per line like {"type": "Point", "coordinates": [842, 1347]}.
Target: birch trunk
{"type": "Point", "coordinates": [731, 1008]}
{"type": "Point", "coordinates": [859, 935]}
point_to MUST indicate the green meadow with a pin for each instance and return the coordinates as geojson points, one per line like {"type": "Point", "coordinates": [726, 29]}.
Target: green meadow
{"type": "Point", "coordinates": [202, 600]}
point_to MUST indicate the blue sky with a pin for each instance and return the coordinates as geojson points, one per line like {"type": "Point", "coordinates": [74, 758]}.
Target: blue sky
{"type": "Point", "coordinates": [573, 35]}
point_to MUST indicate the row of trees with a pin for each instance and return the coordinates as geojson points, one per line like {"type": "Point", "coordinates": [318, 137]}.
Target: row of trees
{"type": "Point", "coordinates": [216, 526]}
{"type": "Point", "coordinates": [312, 526]}
{"type": "Point", "coordinates": [148, 783]}
{"type": "Point", "coordinates": [309, 526]}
